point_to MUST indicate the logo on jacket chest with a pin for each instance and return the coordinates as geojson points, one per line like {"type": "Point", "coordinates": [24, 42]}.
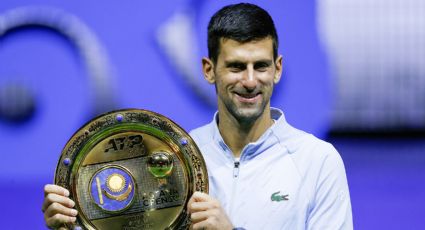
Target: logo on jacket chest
{"type": "Point", "coordinates": [279, 197]}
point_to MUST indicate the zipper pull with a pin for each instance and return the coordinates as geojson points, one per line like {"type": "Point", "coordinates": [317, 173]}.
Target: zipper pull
{"type": "Point", "coordinates": [236, 169]}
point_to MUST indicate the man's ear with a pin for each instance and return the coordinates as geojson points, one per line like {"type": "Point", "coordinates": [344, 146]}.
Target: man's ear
{"type": "Point", "coordinates": [279, 67]}
{"type": "Point", "coordinates": [208, 70]}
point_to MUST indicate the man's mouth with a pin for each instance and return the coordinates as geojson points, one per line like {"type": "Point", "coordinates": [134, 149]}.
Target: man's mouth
{"type": "Point", "coordinates": [248, 97]}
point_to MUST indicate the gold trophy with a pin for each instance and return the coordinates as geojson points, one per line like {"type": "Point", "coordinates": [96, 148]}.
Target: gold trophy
{"type": "Point", "coordinates": [131, 169]}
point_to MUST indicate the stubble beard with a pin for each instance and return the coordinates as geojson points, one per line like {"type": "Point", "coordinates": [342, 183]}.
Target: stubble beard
{"type": "Point", "coordinates": [245, 115]}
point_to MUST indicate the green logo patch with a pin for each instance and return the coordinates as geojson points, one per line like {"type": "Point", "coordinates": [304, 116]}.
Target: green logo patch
{"type": "Point", "coordinates": [276, 197]}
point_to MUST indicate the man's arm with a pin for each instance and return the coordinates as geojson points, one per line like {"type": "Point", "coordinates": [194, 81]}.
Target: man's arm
{"type": "Point", "coordinates": [331, 207]}
{"type": "Point", "coordinates": [57, 207]}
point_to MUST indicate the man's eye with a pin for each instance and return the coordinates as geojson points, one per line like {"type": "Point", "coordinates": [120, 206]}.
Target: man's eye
{"type": "Point", "coordinates": [236, 68]}
{"type": "Point", "coordinates": [261, 67]}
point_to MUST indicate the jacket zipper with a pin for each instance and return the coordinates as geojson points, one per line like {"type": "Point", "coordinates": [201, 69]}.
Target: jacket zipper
{"type": "Point", "coordinates": [236, 165]}
{"type": "Point", "coordinates": [236, 169]}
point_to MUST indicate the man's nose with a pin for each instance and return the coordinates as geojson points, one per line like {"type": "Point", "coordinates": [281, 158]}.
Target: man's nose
{"type": "Point", "coordinates": [249, 80]}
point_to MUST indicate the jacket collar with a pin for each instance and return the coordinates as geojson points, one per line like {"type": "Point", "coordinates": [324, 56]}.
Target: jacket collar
{"type": "Point", "coordinates": [279, 133]}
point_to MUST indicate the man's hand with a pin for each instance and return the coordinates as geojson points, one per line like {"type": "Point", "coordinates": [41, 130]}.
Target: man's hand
{"type": "Point", "coordinates": [57, 207]}
{"type": "Point", "coordinates": [207, 213]}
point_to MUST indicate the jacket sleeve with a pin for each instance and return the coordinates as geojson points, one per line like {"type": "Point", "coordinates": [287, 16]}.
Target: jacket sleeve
{"type": "Point", "coordinates": [331, 206]}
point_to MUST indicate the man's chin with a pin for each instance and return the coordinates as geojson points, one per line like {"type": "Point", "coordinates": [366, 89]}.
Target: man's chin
{"type": "Point", "coordinates": [248, 114]}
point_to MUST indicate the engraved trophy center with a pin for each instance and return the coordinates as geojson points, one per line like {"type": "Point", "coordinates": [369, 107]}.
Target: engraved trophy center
{"type": "Point", "coordinates": [131, 169]}
{"type": "Point", "coordinates": [115, 182]}
{"type": "Point", "coordinates": [112, 189]}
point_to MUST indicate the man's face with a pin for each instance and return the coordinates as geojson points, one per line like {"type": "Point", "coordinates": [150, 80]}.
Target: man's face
{"type": "Point", "coordinates": [244, 75]}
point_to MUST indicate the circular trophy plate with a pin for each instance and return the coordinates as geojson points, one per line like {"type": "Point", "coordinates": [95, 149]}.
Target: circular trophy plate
{"type": "Point", "coordinates": [131, 169]}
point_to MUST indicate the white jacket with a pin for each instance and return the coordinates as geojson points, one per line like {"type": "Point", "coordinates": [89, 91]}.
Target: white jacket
{"type": "Point", "coordinates": [288, 179]}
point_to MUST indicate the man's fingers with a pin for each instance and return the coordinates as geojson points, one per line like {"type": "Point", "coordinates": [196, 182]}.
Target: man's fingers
{"type": "Point", "coordinates": [200, 196]}
{"type": "Point", "coordinates": [59, 219]}
{"type": "Point", "coordinates": [199, 202]}
{"type": "Point", "coordinates": [198, 216]}
{"type": "Point", "coordinates": [55, 198]}
{"type": "Point", "coordinates": [57, 208]}
{"type": "Point", "coordinates": [196, 196]}
{"type": "Point", "coordinates": [207, 213]}
{"type": "Point", "coordinates": [200, 225]}
{"type": "Point", "coordinates": [52, 188]}
{"type": "Point", "coordinates": [203, 206]}
{"type": "Point", "coordinates": [200, 206]}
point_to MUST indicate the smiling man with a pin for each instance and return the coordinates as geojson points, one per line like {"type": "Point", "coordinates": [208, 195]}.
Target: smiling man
{"type": "Point", "coordinates": [263, 173]}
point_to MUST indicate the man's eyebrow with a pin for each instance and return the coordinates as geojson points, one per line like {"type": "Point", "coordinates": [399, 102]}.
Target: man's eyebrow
{"type": "Point", "coordinates": [234, 63]}
{"type": "Point", "coordinates": [264, 61]}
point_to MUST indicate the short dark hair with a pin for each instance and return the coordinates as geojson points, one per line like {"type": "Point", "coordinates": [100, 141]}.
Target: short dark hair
{"type": "Point", "coordinates": [243, 22]}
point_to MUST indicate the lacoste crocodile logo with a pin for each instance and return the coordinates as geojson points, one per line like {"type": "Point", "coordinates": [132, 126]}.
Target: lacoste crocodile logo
{"type": "Point", "coordinates": [276, 197]}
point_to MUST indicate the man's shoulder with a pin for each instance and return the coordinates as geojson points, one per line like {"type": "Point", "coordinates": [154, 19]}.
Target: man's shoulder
{"type": "Point", "coordinates": [300, 142]}
{"type": "Point", "coordinates": [315, 147]}
{"type": "Point", "coordinates": [319, 143]}
{"type": "Point", "coordinates": [313, 155]}
{"type": "Point", "coordinates": [202, 135]}
{"type": "Point", "coordinates": [303, 146]}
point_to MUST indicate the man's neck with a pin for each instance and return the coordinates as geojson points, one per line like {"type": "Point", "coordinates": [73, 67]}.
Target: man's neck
{"type": "Point", "coordinates": [238, 134]}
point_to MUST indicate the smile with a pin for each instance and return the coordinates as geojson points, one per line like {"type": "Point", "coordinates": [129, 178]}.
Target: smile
{"type": "Point", "coordinates": [248, 98]}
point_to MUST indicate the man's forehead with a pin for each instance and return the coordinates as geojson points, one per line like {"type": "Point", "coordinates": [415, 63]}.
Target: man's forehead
{"type": "Point", "coordinates": [231, 49]}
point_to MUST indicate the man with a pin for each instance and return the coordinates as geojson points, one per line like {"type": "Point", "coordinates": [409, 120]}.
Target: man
{"type": "Point", "coordinates": [263, 173]}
